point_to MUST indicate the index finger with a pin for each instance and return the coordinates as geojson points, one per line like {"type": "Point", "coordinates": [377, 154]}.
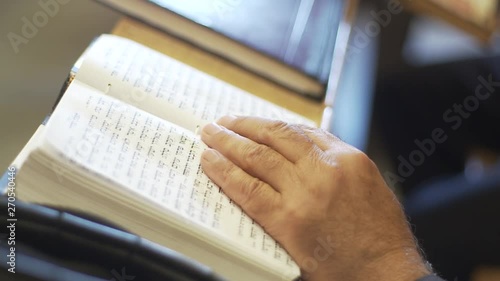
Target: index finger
{"type": "Point", "coordinates": [288, 140]}
{"type": "Point", "coordinates": [254, 196]}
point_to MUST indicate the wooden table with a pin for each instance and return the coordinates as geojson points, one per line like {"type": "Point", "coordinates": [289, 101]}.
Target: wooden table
{"type": "Point", "coordinates": [320, 112]}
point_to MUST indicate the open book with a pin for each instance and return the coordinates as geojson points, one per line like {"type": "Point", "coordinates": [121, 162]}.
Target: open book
{"type": "Point", "coordinates": [289, 42]}
{"type": "Point", "coordinates": [122, 144]}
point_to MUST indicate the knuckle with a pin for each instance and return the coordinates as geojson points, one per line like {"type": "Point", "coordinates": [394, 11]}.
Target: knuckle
{"type": "Point", "coordinates": [254, 154]}
{"type": "Point", "coordinates": [292, 212]}
{"type": "Point", "coordinates": [227, 172]}
{"type": "Point", "coordinates": [225, 139]}
{"type": "Point", "coordinates": [269, 131]}
{"type": "Point", "coordinates": [362, 160]}
{"type": "Point", "coordinates": [354, 165]}
{"type": "Point", "coordinates": [260, 156]}
{"type": "Point", "coordinates": [251, 190]}
{"type": "Point", "coordinates": [324, 132]}
{"type": "Point", "coordinates": [277, 126]}
{"type": "Point", "coordinates": [254, 188]}
{"type": "Point", "coordinates": [271, 163]}
{"type": "Point", "coordinates": [239, 121]}
{"type": "Point", "coordinates": [331, 170]}
{"type": "Point", "coordinates": [222, 136]}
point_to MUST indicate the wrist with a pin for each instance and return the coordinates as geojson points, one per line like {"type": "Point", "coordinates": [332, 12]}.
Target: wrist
{"type": "Point", "coordinates": [404, 264]}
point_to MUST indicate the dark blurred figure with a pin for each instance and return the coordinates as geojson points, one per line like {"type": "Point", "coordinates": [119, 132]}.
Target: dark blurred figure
{"type": "Point", "coordinates": [435, 120]}
{"type": "Point", "coordinates": [441, 126]}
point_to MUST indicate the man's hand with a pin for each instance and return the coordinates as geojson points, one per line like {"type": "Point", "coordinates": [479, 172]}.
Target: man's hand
{"type": "Point", "coordinates": [324, 201]}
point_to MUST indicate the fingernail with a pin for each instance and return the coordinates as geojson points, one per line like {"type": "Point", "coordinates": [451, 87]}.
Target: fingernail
{"type": "Point", "coordinates": [226, 119]}
{"type": "Point", "coordinates": [212, 129]}
{"type": "Point", "coordinates": [210, 155]}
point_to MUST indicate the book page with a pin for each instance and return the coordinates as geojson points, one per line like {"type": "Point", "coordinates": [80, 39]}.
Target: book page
{"type": "Point", "coordinates": [168, 88]}
{"type": "Point", "coordinates": [153, 158]}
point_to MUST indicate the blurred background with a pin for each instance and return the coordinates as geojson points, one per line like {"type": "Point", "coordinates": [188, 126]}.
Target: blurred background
{"type": "Point", "coordinates": [418, 74]}
{"type": "Point", "coordinates": [31, 79]}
